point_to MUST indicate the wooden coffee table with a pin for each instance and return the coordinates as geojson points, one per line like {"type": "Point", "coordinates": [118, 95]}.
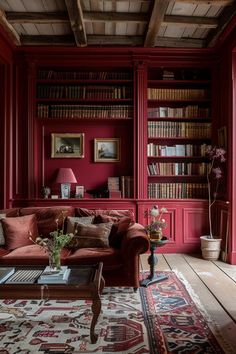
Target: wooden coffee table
{"type": "Point", "coordinates": [85, 283]}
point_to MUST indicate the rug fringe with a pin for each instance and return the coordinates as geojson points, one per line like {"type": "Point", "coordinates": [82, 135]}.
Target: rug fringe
{"type": "Point", "coordinates": [212, 323]}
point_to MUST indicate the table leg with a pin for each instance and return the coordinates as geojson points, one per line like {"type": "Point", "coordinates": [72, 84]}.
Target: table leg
{"type": "Point", "coordinates": [96, 309]}
{"type": "Point", "coordinates": [152, 261]}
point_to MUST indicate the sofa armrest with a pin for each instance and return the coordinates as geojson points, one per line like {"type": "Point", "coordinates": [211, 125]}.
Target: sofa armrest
{"type": "Point", "coordinates": [135, 241]}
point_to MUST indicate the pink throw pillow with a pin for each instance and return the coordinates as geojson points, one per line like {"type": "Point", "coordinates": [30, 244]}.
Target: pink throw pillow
{"type": "Point", "coordinates": [18, 229]}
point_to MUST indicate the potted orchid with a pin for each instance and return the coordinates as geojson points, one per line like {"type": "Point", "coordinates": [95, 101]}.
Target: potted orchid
{"type": "Point", "coordinates": [157, 224]}
{"type": "Point", "coordinates": [211, 246]}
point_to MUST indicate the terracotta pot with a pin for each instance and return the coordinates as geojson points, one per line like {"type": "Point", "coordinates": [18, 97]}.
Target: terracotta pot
{"type": "Point", "coordinates": [210, 247]}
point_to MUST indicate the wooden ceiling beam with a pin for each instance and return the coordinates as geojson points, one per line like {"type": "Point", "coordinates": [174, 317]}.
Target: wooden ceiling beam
{"type": "Point", "coordinates": [67, 40]}
{"type": "Point", "coordinates": [179, 42]}
{"type": "Point", "coordinates": [201, 22]}
{"type": "Point", "coordinates": [9, 29]}
{"type": "Point", "coordinates": [226, 17]}
{"type": "Point", "coordinates": [94, 16]}
{"type": "Point", "coordinates": [209, 2]}
{"type": "Point", "coordinates": [115, 40]}
{"type": "Point", "coordinates": [157, 16]}
{"type": "Point", "coordinates": [76, 20]}
{"type": "Point", "coordinates": [37, 17]}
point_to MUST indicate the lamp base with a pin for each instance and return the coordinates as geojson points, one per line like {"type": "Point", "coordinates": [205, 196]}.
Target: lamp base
{"type": "Point", "coordinates": [65, 190]}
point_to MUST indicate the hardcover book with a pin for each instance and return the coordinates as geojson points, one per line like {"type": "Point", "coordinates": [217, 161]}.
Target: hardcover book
{"type": "Point", "coordinates": [5, 273]}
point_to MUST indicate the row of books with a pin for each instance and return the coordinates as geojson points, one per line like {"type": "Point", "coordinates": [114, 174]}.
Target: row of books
{"type": "Point", "coordinates": [176, 150]}
{"type": "Point", "coordinates": [84, 92]}
{"type": "Point", "coordinates": [176, 94]}
{"type": "Point", "coordinates": [84, 111]}
{"type": "Point", "coordinates": [83, 75]}
{"type": "Point", "coordinates": [177, 190]}
{"type": "Point", "coordinates": [177, 168]}
{"type": "Point", "coordinates": [165, 129]}
{"type": "Point", "coordinates": [193, 111]}
{"type": "Point", "coordinates": [121, 187]}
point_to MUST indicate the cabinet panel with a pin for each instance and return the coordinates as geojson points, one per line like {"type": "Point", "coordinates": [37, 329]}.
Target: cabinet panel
{"type": "Point", "coordinates": [194, 224]}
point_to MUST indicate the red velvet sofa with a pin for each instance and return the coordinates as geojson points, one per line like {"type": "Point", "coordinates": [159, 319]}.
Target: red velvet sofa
{"type": "Point", "coordinates": [120, 258]}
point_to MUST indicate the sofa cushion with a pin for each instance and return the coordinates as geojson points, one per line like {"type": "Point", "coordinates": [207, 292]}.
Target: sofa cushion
{"type": "Point", "coordinates": [72, 220]}
{"type": "Point", "coordinates": [11, 212]}
{"type": "Point", "coordinates": [110, 257]}
{"type": "Point", "coordinates": [119, 228]}
{"type": "Point", "coordinates": [48, 217]}
{"type": "Point", "coordinates": [91, 236]}
{"type": "Point", "coordinates": [18, 229]}
{"type": "Point", "coordinates": [31, 254]}
{"type": "Point", "coordinates": [2, 238]}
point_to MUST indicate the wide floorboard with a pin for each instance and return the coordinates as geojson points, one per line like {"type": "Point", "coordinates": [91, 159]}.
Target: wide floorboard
{"type": "Point", "coordinates": [214, 282]}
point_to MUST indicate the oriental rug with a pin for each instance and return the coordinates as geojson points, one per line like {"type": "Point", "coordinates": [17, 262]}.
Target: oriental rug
{"type": "Point", "coordinates": [163, 318]}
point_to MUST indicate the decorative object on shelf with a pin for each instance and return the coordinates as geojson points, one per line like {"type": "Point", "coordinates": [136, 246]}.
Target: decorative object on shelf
{"type": "Point", "coordinates": [45, 192]}
{"type": "Point", "coordinates": [79, 192]}
{"type": "Point", "coordinates": [107, 150]}
{"type": "Point", "coordinates": [54, 244]}
{"type": "Point", "coordinates": [210, 246]}
{"type": "Point", "coordinates": [65, 176]}
{"type": "Point", "coordinates": [67, 145]}
{"type": "Point", "coordinates": [158, 223]}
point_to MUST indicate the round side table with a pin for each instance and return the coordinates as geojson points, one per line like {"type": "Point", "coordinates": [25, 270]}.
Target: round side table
{"type": "Point", "coordinates": [152, 261]}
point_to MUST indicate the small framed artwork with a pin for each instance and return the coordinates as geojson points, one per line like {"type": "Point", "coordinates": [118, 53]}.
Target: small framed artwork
{"type": "Point", "coordinates": [79, 192]}
{"type": "Point", "coordinates": [107, 150]}
{"type": "Point", "coordinates": [222, 137]}
{"type": "Point", "coordinates": [67, 145]}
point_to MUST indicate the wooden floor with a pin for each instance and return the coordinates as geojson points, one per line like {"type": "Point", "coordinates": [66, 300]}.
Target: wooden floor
{"type": "Point", "coordinates": [213, 282]}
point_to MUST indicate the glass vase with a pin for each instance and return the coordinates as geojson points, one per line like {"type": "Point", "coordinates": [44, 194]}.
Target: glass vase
{"type": "Point", "coordinates": [55, 260]}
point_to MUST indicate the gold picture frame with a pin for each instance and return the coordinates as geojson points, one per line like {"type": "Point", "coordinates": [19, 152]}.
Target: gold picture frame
{"type": "Point", "coordinates": [67, 145]}
{"type": "Point", "coordinates": [107, 150]}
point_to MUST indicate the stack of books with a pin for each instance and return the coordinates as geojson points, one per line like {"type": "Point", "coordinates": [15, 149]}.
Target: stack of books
{"type": "Point", "coordinates": [49, 276]}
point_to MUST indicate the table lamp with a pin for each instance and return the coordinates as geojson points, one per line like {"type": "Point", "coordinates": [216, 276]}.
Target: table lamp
{"type": "Point", "coordinates": [65, 176]}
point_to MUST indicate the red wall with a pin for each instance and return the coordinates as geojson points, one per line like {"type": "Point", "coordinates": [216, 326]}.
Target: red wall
{"type": "Point", "coordinates": [89, 174]}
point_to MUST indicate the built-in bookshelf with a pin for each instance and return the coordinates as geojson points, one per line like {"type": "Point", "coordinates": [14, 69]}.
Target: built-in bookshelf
{"type": "Point", "coordinates": [84, 94]}
{"type": "Point", "coordinates": [179, 128]}
{"type": "Point", "coordinates": [88, 101]}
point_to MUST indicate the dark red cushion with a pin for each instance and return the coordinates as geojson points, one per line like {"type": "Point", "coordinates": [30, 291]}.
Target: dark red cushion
{"type": "Point", "coordinates": [47, 217]}
{"type": "Point", "coordinates": [17, 231]}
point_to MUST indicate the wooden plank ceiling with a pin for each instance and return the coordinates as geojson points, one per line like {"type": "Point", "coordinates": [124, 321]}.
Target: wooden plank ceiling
{"type": "Point", "coordinates": [137, 23]}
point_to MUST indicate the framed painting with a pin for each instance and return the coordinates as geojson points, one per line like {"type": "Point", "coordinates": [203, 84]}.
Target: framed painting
{"type": "Point", "coordinates": [79, 192]}
{"type": "Point", "coordinates": [67, 145]}
{"type": "Point", "coordinates": [107, 150]}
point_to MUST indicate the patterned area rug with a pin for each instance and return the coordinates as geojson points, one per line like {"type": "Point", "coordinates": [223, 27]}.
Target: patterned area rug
{"type": "Point", "coordinates": [162, 318]}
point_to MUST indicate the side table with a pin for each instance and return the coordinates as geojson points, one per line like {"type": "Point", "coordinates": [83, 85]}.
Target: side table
{"type": "Point", "coordinates": [152, 261]}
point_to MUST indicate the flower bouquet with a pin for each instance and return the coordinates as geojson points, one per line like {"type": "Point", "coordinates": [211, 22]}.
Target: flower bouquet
{"type": "Point", "coordinates": [54, 244]}
{"type": "Point", "coordinates": [157, 224]}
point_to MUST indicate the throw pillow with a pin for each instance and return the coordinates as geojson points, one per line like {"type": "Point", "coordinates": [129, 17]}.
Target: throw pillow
{"type": "Point", "coordinates": [17, 230]}
{"type": "Point", "coordinates": [91, 236]}
{"type": "Point", "coordinates": [2, 239]}
{"type": "Point", "coordinates": [71, 222]}
{"type": "Point", "coordinates": [118, 230]}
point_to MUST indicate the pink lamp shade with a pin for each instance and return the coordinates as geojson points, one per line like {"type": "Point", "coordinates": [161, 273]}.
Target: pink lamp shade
{"type": "Point", "coordinates": [65, 175]}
